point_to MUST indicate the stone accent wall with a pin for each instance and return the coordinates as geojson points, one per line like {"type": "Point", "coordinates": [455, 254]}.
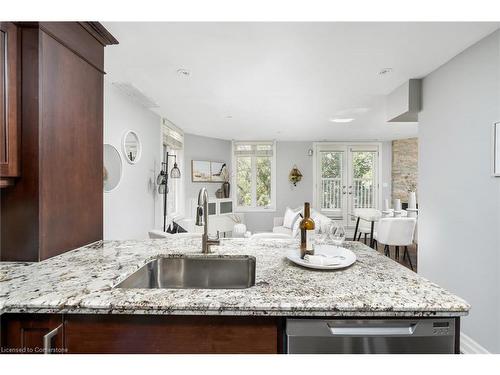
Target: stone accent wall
{"type": "Point", "coordinates": [404, 168]}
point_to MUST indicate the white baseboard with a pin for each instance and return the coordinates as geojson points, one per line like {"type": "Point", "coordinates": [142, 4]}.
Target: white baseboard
{"type": "Point", "coordinates": [469, 346]}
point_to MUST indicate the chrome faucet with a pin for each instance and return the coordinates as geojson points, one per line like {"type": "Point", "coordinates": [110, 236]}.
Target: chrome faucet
{"type": "Point", "coordinates": [202, 220]}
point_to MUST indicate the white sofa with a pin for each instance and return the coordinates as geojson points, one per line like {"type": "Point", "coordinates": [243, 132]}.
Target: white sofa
{"type": "Point", "coordinates": [320, 221]}
{"type": "Point", "coordinates": [216, 223]}
{"type": "Point", "coordinates": [279, 228]}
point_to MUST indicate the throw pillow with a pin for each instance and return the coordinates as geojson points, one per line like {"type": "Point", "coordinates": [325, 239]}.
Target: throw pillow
{"type": "Point", "coordinates": [290, 218]}
{"type": "Point", "coordinates": [296, 227]}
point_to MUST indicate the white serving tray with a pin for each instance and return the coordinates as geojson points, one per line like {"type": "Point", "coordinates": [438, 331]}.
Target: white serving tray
{"type": "Point", "coordinates": [346, 257]}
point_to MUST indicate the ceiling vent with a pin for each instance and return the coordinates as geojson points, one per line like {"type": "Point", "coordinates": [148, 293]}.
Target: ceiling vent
{"type": "Point", "coordinates": [135, 94]}
{"type": "Point", "coordinates": [404, 103]}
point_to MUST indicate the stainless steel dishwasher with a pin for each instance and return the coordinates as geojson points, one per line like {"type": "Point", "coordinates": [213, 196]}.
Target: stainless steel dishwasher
{"type": "Point", "coordinates": [374, 336]}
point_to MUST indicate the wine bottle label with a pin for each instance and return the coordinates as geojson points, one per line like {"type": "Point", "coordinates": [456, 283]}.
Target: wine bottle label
{"type": "Point", "coordinates": [309, 239]}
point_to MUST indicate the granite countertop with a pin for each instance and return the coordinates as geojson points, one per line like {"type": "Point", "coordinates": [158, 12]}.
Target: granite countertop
{"type": "Point", "coordinates": [83, 280]}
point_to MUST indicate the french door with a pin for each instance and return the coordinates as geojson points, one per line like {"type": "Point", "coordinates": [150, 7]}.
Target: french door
{"type": "Point", "coordinates": [347, 177]}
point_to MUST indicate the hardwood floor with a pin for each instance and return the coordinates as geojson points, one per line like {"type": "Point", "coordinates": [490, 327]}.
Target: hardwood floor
{"type": "Point", "coordinates": [412, 251]}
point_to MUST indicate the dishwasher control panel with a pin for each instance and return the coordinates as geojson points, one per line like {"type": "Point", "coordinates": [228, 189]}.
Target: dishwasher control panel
{"type": "Point", "coordinates": [441, 328]}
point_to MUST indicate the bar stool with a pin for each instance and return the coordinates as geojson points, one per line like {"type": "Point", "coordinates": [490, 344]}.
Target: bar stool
{"type": "Point", "coordinates": [396, 231]}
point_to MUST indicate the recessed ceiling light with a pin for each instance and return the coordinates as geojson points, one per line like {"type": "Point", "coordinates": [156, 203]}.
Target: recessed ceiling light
{"type": "Point", "coordinates": [341, 120]}
{"type": "Point", "coordinates": [183, 72]}
{"type": "Point", "coordinates": [385, 71]}
{"type": "Point", "coordinates": [228, 116]}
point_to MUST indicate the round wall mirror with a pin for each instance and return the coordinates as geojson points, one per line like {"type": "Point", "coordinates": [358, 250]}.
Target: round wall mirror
{"type": "Point", "coordinates": [112, 169]}
{"type": "Point", "coordinates": [131, 147]}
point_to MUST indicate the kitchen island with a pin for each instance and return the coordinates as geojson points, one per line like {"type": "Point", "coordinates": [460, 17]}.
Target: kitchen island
{"type": "Point", "coordinates": [75, 292]}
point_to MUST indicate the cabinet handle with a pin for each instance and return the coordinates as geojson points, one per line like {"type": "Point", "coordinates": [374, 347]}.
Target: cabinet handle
{"type": "Point", "coordinates": [47, 339]}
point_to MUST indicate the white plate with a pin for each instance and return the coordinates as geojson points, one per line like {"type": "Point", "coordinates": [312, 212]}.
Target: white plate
{"type": "Point", "coordinates": [346, 257]}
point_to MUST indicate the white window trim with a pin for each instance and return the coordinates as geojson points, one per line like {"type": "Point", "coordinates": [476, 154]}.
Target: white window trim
{"type": "Point", "coordinates": [318, 146]}
{"type": "Point", "coordinates": [179, 184]}
{"type": "Point", "coordinates": [272, 206]}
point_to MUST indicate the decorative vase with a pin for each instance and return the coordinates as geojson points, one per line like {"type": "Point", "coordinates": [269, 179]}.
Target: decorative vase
{"type": "Point", "coordinates": [219, 194]}
{"type": "Point", "coordinates": [412, 200]}
{"type": "Point", "coordinates": [226, 188]}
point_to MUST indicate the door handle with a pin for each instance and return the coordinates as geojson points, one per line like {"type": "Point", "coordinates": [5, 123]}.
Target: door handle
{"type": "Point", "coordinates": [47, 339]}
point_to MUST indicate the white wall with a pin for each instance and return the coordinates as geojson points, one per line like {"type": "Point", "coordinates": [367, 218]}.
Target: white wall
{"type": "Point", "coordinates": [290, 153]}
{"type": "Point", "coordinates": [459, 219]}
{"type": "Point", "coordinates": [287, 155]}
{"type": "Point", "coordinates": [133, 207]}
{"type": "Point", "coordinates": [203, 148]}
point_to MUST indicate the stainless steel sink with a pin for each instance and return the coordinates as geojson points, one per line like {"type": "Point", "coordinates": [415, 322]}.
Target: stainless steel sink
{"type": "Point", "coordinates": [190, 272]}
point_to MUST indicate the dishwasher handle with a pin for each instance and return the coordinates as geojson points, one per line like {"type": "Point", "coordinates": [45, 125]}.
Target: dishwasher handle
{"type": "Point", "coordinates": [371, 330]}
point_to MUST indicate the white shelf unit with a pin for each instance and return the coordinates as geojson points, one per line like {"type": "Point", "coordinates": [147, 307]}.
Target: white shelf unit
{"type": "Point", "coordinates": [220, 206]}
{"type": "Point", "coordinates": [220, 213]}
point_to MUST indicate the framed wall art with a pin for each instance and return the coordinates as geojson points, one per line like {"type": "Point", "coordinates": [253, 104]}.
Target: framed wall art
{"type": "Point", "coordinates": [207, 171]}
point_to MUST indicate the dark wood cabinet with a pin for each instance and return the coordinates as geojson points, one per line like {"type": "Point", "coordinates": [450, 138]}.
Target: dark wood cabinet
{"type": "Point", "coordinates": [9, 104]}
{"type": "Point", "coordinates": [56, 204]}
{"type": "Point", "coordinates": [32, 333]}
{"type": "Point", "coordinates": [86, 334]}
{"type": "Point", "coordinates": [170, 334]}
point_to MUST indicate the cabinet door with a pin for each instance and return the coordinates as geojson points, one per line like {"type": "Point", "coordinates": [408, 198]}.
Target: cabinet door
{"type": "Point", "coordinates": [120, 334]}
{"type": "Point", "coordinates": [32, 333]}
{"type": "Point", "coordinates": [9, 103]}
{"type": "Point", "coordinates": [70, 149]}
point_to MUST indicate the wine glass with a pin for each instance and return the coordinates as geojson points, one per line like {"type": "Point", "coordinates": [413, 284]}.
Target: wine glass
{"type": "Point", "coordinates": [321, 236]}
{"type": "Point", "coordinates": [337, 233]}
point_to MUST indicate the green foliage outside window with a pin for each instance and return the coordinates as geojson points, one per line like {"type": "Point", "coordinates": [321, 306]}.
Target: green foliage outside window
{"type": "Point", "coordinates": [362, 164]}
{"type": "Point", "coordinates": [331, 164]}
{"type": "Point", "coordinates": [263, 181]}
{"type": "Point", "coordinates": [244, 181]}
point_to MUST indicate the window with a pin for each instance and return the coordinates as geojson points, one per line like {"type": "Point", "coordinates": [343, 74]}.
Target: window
{"type": "Point", "coordinates": [173, 143]}
{"type": "Point", "coordinates": [254, 177]}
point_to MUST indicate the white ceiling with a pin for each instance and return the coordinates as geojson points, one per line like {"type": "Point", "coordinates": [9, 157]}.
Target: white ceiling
{"type": "Point", "coordinates": [282, 80]}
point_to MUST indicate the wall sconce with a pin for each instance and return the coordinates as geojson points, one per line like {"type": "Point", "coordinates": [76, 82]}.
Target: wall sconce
{"type": "Point", "coordinates": [310, 152]}
{"type": "Point", "coordinates": [295, 175]}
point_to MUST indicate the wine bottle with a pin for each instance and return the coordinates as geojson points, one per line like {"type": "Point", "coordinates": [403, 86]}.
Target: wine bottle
{"type": "Point", "coordinates": [306, 232]}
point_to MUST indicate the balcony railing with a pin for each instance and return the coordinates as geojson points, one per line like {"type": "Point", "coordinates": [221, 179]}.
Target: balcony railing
{"type": "Point", "coordinates": [363, 193]}
{"type": "Point", "coordinates": [331, 197]}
